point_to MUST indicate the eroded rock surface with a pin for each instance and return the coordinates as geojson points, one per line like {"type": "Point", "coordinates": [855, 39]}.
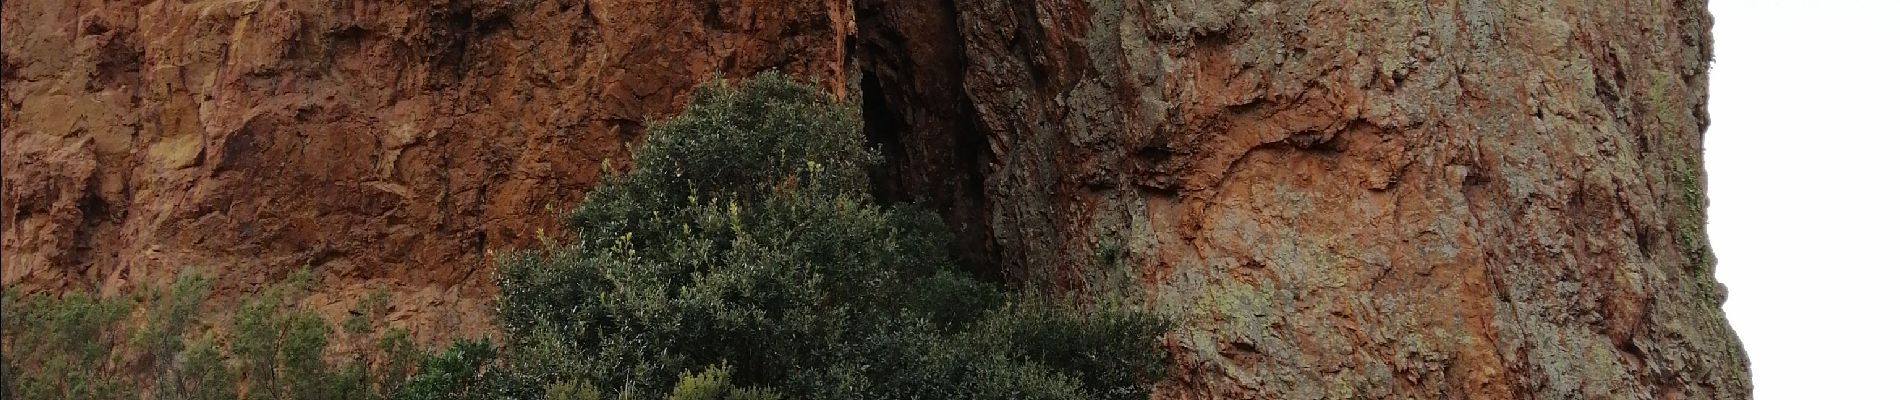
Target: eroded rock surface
{"type": "Point", "coordinates": [1342, 199]}
{"type": "Point", "coordinates": [376, 142]}
{"type": "Point", "coordinates": [1372, 199]}
{"type": "Point", "coordinates": [1361, 199]}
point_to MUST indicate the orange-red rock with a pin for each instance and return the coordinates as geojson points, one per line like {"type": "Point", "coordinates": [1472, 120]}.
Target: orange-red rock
{"type": "Point", "coordinates": [1342, 199]}
{"type": "Point", "coordinates": [1350, 199]}
{"type": "Point", "coordinates": [376, 142]}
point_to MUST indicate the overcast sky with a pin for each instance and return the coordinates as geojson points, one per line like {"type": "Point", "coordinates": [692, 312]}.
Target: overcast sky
{"type": "Point", "coordinates": [1802, 156]}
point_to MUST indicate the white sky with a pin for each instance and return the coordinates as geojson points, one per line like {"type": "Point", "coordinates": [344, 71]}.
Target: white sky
{"type": "Point", "coordinates": [1802, 159]}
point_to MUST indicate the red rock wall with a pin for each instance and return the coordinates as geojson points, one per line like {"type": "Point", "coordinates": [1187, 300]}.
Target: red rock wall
{"type": "Point", "coordinates": [1342, 199]}
{"type": "Point", "coordinates": [1360, 199]}
{"type": "Point", "coordinates": [376, 142]}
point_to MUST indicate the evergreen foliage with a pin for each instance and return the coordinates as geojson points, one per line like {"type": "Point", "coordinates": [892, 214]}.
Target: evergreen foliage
{"type": "Point", "coordinates": [274, 350]}
{"type": "Point", "coordinates": [743, 252]}
{"type": "Point", "coordinates": [70, 339]}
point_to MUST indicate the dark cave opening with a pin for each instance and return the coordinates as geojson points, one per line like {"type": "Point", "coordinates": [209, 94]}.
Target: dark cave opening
{"type": "Point", "coordinates": [911, 63]}
{"type": "Point", "coordinates": [944, 175]}
{"type": "Point", "coordinates": [883, 131]}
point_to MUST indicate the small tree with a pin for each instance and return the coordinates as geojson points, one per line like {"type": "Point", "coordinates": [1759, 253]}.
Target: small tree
{"type": "Point", "coordinates": [69, 340]}
{"type": "Point", "coordinates": [277, 350]}
{"type": "Point", "coordinates": [744, 246]}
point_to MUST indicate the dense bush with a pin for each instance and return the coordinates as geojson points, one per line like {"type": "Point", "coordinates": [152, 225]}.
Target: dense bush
{"type": "Point", "coordinates": [70, 339]}
{"type": "Point", "coordinates": [743, 252]}
{"type": "Point", "coordinates": [453, 374]}
{"type": "Point", "coordinates": [274, 350]}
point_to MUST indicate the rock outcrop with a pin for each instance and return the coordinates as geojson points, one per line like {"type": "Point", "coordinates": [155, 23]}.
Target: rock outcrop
{"type": "Point", "coordinates": [375, 142]}
{"type": "Point", "coordinates": [1341, 199]}
{"type": "Point", "coordinates": [1366, 199]}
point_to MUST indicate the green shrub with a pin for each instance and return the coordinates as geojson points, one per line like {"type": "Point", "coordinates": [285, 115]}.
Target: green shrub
{"type": "Point", "coordinates": [167, 317]}
{"type": "Point", "coordinates": [715, 383]}
{"type": "Point", "coordinates": [371, 307]}
{"type": "Point", "coordinates": [745, 237]}
{"type": "Point", "coordinates": [280, 349]}
{"type": "Point", "coordinates": [70, 339]}
{"type": "Point", "coordinates": [202, 375]}
{"type": "Point", "coordinates": [1094, 346]}
{"type": "Point", "coordinates": [453, 374]}
{"type": "Point", "coordinates": [276, 350]}
{"type": "Point", "coordinates": [183, 369]}
{"type": "Point", "coordinates": [572, 390]}
{"type": "Point", "coordinates": [399, 357]}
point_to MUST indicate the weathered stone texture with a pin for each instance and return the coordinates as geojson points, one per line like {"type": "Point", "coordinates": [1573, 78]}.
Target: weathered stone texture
{"type": "Point", "coordinates": [1342, 199]}
{"type": "Point", "coordinates": [1370, 199]}
{"type": "Point", "coordinates": [378, 142]}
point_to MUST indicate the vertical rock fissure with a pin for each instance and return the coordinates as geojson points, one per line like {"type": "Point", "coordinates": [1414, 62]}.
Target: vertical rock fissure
{"type": "Point", "coordinates": [916, 112]}
{"type": "Point", "coordinates": [883, 131]}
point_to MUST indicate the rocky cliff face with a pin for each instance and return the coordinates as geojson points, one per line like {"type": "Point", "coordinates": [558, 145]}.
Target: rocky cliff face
{"type": "Point", "coordinates": [376, 142]}
{"type": "Point", "coordinates": [1390, 199]}
{"type": "Point", "coordinates": [1365, 199]}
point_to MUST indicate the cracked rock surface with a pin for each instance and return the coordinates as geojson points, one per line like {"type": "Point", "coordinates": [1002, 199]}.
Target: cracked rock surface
{"type": "Point", "coordinates": [1340, 199]}
{"type": "Point", "coordinates": [376, 142]}
{"type": "Point", "coordinates": [1393, 199]}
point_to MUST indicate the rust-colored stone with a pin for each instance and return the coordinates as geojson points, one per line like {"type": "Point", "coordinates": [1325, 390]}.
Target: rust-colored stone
{"type": "Point", "coordinates": [375, 142]}
{"type": "Point", "coordinates": [1341, 199]}
{"type": "Point", "coordinates": [1370, 199]}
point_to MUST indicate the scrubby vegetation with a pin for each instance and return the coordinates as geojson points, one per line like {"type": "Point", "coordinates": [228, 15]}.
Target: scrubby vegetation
{"type": "Point", "coordinates": [70, 343]}
{"type": "Point", "coordinates": [272, 349]}
{"type": "Point", "coordinates": [741, 258]}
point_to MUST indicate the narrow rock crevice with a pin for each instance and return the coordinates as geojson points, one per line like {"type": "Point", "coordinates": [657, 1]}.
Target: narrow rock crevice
{"type": "Point", "coordinates": [884, 132]}
{"type": "Point", "coordinates": [916, 113]}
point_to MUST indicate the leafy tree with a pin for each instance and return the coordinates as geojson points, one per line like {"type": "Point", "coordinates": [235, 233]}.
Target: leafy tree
{"type": "Point", "coordinates": [572, 390]}
{"type": "Point", "coordinates": [70, 339]}
{"type": "Point", "coordinates": [715, 383]}
{"type": "Point", "coordinates": [202, 375]}
{"type": "Point", "coordinates": [744, 245]}
{"type": "Point", "coordinates": [453, 374]}
{"type": "Point", "coordinates": [399, 357]}
{"type": "Point", "coordinates": [281, 348]}
{"type": "Point", "coordinates": [162, 337]}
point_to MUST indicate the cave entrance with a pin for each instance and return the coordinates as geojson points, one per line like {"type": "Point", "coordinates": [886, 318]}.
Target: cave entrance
{"type": "Point", "coordinates": [884, 130]}
{"type": "Point", "coordinates": [916, 113]}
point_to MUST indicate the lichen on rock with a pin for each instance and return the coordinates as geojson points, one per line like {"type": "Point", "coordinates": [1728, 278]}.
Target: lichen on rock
{"type": "Point", "coordinates": [1380, 199]}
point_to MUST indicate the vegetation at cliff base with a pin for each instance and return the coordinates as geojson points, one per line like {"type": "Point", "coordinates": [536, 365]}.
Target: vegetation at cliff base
{"type": "Point", "coordinates": [94, 347]}
{"type": "Point", "coordinates": [741, 257]}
